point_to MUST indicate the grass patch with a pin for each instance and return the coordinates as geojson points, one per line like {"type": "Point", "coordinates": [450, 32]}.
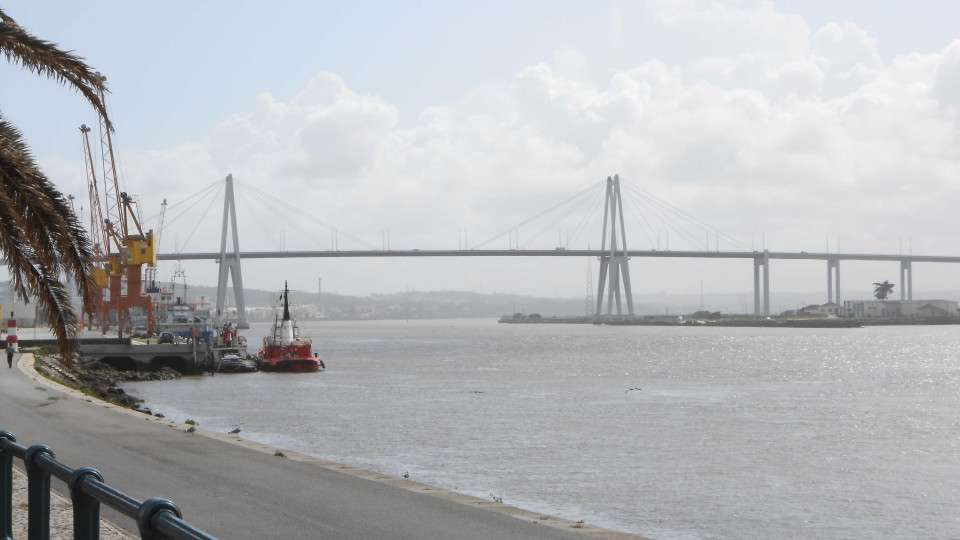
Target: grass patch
{"type": "Point", "coordinates": [46, 350]}
{"type": "Point", "coordinates": [42, 370]}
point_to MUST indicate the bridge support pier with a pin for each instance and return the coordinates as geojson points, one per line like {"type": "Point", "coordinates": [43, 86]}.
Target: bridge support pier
{"type": "Point", "coordinates": [614, 265]}
{"type": "Point", "coordinates": [230, 262]}
{"type": "Point", "coordinates": [833, 272]}
{"type": "Point", "coordinates": [906, 280]}
{"type": "Point", "coordinates": [761, 261]}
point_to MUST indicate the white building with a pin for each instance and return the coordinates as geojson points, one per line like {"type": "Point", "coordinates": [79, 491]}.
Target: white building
{"type": "Point", "coordinates": [830, 308]}
{"type": "Point", "coordinates": [892, 309]}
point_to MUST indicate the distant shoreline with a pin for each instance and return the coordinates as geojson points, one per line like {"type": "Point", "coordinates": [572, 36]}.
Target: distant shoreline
{"type": "Point", "coordinates": [747, 322]}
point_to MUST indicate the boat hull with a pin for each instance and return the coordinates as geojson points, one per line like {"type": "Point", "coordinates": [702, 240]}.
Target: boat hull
{"type": "Point", "coordinates": [236, 364]}
{"type": "Point", "coordinates": [292, 365]}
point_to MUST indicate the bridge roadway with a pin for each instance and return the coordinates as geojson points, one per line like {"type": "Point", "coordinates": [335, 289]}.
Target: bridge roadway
{"type": "Point", "coordinates": [803, 255]}
{"type": "Point", "coordinates": [237, 489]}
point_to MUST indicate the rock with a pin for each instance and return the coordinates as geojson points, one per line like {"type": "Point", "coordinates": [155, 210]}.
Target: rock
{"type": "Point", "coordinates": [102, 381]}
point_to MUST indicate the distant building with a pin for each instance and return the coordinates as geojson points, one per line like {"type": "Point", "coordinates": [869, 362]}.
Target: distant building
{"type": "Point", "coordinates": [25, 314]}
{"type": "Point", "coordinates": [830, 308]}
{"type": "Point", "coordinates": [893, 309]}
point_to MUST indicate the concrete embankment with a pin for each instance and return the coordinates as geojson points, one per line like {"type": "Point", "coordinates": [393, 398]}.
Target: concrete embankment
{"type": "Point", "coordinates": [235, 488]}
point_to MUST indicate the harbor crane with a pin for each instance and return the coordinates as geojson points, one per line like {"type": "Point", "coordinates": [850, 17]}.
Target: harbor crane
{"type": "Point", "coordinates": [120, 245]}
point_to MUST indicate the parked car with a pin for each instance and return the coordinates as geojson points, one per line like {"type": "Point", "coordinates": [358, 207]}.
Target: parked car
{"type": "Point", "coordinates": [166, 337]}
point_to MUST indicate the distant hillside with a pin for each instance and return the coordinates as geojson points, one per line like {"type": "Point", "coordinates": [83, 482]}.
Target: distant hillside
{"type": "Point", "coordinates": [441, 304]}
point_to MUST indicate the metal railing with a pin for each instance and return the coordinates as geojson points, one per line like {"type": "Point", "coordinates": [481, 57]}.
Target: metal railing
{"type": "Point", "coordinates": [158, 519]}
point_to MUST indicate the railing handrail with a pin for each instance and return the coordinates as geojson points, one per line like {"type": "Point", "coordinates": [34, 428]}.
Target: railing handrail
{"type": "Point", "coordinates": [157, 519]}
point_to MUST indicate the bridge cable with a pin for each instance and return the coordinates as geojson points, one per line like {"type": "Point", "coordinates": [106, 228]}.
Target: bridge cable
{"type": "Point", "coordinates": [253, 211]}
{"type": "Point", "coordinates": [270, 205]}
{"type": "Point", "coordinates": [559, 218]}
{"type": "Point", "coordinates": [547, 211]}
{"type": "Point", "coordinates": [211, 193]}
{"type": "Point", "coordinates": [645, 224]}
{"type": "Point", "coordinates": [307, 215]}
{"type": "Point", "coordinates": [204, 190]}
{"type": "Point", "coordinates": [278, 211]}
{"type": "Point", "coordinates": [640, 212]}
{"type": "Point", "coordinates": [680, 227]}
{"type": "Point", "coordinates": [677, 225]}
{"type": "Point", "coordinates": [689, 217]}
{"type": "Point", "coordinates": [198, 223]}
{"type": "Point", "coordinates": [597, 200]}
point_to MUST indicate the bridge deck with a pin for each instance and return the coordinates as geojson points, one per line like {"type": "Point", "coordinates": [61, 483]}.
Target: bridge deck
{"type": "Point", "coordinates": [563, 253]}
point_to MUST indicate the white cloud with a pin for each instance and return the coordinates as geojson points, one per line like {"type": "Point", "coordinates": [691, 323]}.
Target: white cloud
{"type": "Point", "coordinates": [946, 77]}
{"type": "Point", "coordinates": [752, 124]}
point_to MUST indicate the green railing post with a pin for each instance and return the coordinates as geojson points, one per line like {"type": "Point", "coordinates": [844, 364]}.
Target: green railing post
{"type": "Point", "coordinates": [157, 519]}
{"type": "Point", "coordinates": [38, 493]}
{"type": "Point", "coordinates": [150, 509]}
{"type": "Point", "coordinates": [6, 488]}
{"type": "Point", "coordinates": [86, 509]}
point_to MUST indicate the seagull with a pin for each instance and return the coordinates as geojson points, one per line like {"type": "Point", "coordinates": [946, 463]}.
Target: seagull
{"type": "Point", "coordinates": [191, 430]}
{"type": "Point", "coordinates": [235, 431]}
{"type": "Point", "coordinates": [634, 388]}
{"type": "Point", "coordinates": [406, 474]}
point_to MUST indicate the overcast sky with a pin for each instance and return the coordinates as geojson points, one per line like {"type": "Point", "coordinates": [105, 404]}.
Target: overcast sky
{"type": "Point", "coordinates": [791, 125]}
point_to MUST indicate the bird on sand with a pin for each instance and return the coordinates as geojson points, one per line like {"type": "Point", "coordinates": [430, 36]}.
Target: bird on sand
{"type": "Point", "coordinates": [191, 430]}
{"type": "Point", "coordinates": [634, 388]}
{"type": "Point", "coordinates": [235, 431]}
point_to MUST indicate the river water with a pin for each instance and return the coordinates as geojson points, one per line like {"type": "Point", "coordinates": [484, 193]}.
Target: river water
{"type": "Point", "coordinates": [731, 432]}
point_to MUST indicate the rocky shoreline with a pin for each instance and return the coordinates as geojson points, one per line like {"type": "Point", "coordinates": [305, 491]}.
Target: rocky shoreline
{"type": "Point", "coordinates": [99, 380]}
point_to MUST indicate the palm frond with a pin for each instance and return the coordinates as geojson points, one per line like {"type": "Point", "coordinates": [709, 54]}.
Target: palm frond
{"type": "Point", "coordinates": [43, 57]}
{"type": "Point", "coordinates": [40, 237]}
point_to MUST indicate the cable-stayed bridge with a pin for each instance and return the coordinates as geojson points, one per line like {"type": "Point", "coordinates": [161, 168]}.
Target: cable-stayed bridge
{"type": "Point", "coordinates": [613, 284]}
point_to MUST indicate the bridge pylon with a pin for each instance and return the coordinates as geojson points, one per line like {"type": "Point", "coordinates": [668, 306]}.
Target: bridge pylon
{"type": "Point", "coordinates": [230, 262]}
{"type": "Point", "coordinates": [614, 263]}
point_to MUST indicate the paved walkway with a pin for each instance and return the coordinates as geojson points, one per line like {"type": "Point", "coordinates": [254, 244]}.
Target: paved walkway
{"type": "Point", "coordinates": [61, 515]}
{"type": "Point", "coordinates": [233, 488]}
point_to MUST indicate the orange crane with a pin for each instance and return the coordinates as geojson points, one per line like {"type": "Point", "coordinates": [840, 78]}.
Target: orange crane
{"type": "Point", "coordinates": [97, 234]}
{"type": "Point", "coordinates": [122, 249]}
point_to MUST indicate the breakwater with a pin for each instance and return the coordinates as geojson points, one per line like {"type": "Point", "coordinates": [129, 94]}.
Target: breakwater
{"type": "Point", "coordinates": [730, 321]}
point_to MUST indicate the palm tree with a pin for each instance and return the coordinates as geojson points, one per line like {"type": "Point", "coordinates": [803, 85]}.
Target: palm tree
{"type": "Point", "coordinates": [40, 236]}
{"type": "Point", "coordinates": [882, 290]}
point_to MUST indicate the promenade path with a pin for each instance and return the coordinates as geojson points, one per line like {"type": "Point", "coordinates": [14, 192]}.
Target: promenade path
{"type": "Point", "coordinates": [236, 489]}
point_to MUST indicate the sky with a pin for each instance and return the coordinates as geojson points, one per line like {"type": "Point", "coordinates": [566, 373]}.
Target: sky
{"type": "Point", "coordinates": [786, 125]}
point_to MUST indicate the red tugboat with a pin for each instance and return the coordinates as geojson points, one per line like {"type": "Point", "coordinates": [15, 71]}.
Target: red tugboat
{"type": "Point", "coordinates": [284, 350]}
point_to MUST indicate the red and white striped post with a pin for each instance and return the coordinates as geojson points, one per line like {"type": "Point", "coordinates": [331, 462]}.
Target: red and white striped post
{"type": "Point", "coordinates": [11, 339]}
{"type": "Point", "coordinates": [12, 334]}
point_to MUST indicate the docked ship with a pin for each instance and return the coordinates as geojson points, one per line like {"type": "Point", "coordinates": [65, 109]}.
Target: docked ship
{"type": "Point", "coordinates": [186, 320]}
{"type": "Point", "coordinates": [284, 349]}
{"type": "Point", "coordinates": [217, 349]}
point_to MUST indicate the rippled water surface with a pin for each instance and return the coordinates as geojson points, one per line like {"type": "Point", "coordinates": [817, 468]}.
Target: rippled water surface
{"type": "Point", "coordinates": [733, 432]}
